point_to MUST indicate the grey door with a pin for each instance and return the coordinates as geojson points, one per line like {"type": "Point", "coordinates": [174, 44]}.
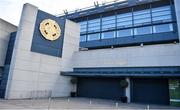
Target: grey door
{"type": "Point", "coordinates": [105, 88]}
{"type": "Point", "coordinates": [150, 91]}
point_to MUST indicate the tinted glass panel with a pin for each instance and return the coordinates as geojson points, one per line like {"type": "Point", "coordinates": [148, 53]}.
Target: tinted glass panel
{"type": "Point", "coordinates": [83, 26]}
{"type": "Point", "coordinates": [124, 20]}
{"type": "Point", "coordinates": [163, 28]}
{"type": "Point", "coordinates": [162, 18]}
{"type": "Point", "coordinates": [125, 15]}
{"type": "Point", "coordinates": [107, 35]}
{"type": "Point", "coordinates": [82, 38]}
{"type": "Point", "coordinates": [124, 33]}
{"type": "Point", "coordinates": [93, 37]}
{"type": "Point", "coordinates": [142, 21]}
{"type": "Point", "coordinates": [94, 25]}
{"type": "Point", "coordinates": [141, 17]}
{"type": "Point", "coordinates": [159, 9]}
{"type": "Point", "coordinates": [161, 14]}
{"type": "Point", "coordinates": [142, 12]}
{"type": "Point", "coordinates": [108, 22]}
{"type": "Point", "coordinates": [124, 24]}
{"type": "Point", "coordinates": [109, 26]}
{"type": "Point", "coordinates": [143, 30]}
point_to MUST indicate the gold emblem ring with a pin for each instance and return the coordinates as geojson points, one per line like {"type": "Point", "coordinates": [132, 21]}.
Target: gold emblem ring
{"type": "Point", "coordinates": [50, 29]}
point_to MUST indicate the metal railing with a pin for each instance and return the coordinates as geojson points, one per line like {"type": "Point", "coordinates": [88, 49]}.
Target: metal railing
{"type": "Point", "coordinates": [96, 5]}
{"type": "Point", "coordinates": [106, 5]}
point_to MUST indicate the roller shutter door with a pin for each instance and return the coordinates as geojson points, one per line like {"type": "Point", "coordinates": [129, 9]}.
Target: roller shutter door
{"type": "Point", "coordinates": [150, 91]}
{"type": "Point", "coordinates": [105, 88]}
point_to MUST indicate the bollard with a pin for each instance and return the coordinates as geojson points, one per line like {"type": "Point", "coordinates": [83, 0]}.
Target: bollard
{"type": "Point", "coordinates": [49, 104]}
{"type": "Point", "coordinates": [90, 102]}
{"type": "Point", "coordinates": [148, 107]}
{"type": "Point", "coordinates": [68, 100]}
{"type": "Point", "coordinates": [116, 104]}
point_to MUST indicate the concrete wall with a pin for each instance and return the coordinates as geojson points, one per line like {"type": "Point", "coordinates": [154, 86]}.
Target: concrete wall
{"type": "Point", "coordinates": [5, 30]}
{"type": "Point", "coordinates": [38, 75]}
{"type": "Point", "coordinates": [150, 55]}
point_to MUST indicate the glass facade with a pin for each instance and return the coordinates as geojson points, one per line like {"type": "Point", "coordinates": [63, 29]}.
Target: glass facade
{"type": "Point", "coordinates": [161, 14]}
{"type": "Point", "coordinates": [142, 17]}
{"type": "Point", "coordinates": [124, 33]}
{"type": "Point", "coordinates": [124, 20]}
{"type": "Point", "coordinates": [108, 23]}
{"type": "Point", "coordinates": [107, 35]}
{"type": "Point", "coordinates": [83, 27]}
{"type": "Point", "coordinates": [162, 28]}
{"type": "Point", "coordinates": [133, 23]}
{"type": "Point", "coordinates": [143, 30]}
{"type": "Point", "coordinates": [94, 25]}
{"type": "Point", "coordinates": [83, 38]}
{"type": "Point", "coordinates": [93, 37]}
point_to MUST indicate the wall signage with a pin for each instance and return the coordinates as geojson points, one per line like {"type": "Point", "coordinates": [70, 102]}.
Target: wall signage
{"type": "Point", "coordinates": [50, 29]}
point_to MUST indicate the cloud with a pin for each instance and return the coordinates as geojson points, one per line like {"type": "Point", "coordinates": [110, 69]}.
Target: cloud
{"type": "Point", "coordinates": [10, 10]}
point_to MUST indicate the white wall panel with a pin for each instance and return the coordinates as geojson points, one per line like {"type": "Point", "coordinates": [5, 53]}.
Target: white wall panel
{"type": "Point", "coordinates": [150, 55]}
{"type": "Point", "coordinates": [5, 30]}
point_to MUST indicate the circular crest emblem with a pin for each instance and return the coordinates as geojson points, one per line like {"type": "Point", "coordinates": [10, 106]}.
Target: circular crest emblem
{"type": "Point", "coordinates": [50, 29]}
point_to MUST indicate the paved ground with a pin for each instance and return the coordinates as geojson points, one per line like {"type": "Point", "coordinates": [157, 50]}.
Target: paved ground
{"type": "Point", "coordinates": [73, 103]}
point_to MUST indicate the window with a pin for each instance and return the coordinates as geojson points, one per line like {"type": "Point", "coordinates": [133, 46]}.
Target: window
{"type": "Point", "coordinates": [82, 38]}
{"type": "Point", "coordinates": [107, 35]}
{"type": "Point", "coordinates": [83, 26]}
{"type": "Point", "coordinates": [108, 22]}
{"type": "Point", "coordinates": [161, 14]}
{"type": "Point", "coordinates": [142, 17]}
{"type": "Point", "coordinates": [124, 33]}
{"type": "Point", "coordinates": [124, 20]}
{"type": "Point", "coordinates": [128, 24]}
{"type": "Point", "coordinates": [94, 25]}
{"type": "Point", "coordinates": [93, 37]}
{"type": "Point", "coordinates": [162, 28]}
{"type": "Point", "coordinates": [143, 30]}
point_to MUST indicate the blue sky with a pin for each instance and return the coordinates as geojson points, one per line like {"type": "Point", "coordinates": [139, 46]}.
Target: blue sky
{"type": "Point", "coordinates": [10, 10]}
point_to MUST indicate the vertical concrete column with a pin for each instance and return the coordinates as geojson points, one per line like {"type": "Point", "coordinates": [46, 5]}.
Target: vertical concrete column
{"type": "Point", "coordinates": [128, 92]}
{"type": "Point", "coordinates": [70, 45]}
{"type": "Point", "coordinates": [19, 68]}
{"type": "Point", "coordinates": [177, 8]}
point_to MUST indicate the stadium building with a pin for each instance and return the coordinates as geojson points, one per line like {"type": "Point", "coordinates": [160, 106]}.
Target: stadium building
{"type": "Point", "coordinates": [121, 50]}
